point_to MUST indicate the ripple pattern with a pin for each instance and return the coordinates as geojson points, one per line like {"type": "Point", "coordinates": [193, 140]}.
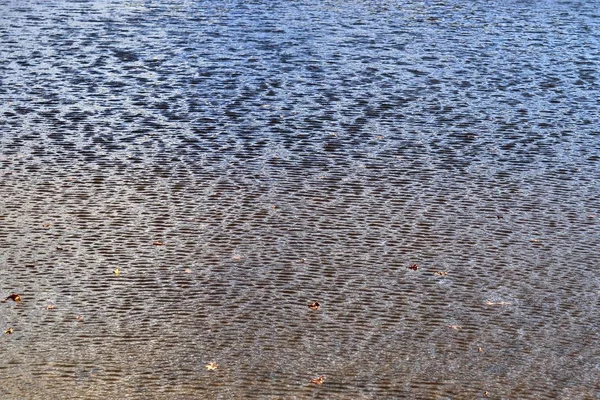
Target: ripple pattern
{"type": "Point", "coordinates": [239, 160]}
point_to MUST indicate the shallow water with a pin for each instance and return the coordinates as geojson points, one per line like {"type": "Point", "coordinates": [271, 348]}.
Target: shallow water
{"type": "Point", "coordinates": [239, 160]}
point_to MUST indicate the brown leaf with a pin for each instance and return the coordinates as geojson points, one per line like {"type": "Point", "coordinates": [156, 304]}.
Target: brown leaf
{"type": "Point", "coordinates": [50, 307]}
{"type": "Point", "coordinates": [414, 267]}
{"type": "Point", "coordinates": [440, 273]}
{"type": "Point", "coordinates": [158, 243]}
{"type": "Point", "coordinates": [314, 305]}
{"type": "Point", "coordinates": [9, 331]}
{"type": "Point", "coordinates": [14, 297]}
{"type": "Point", "coordinates": [318, 381]}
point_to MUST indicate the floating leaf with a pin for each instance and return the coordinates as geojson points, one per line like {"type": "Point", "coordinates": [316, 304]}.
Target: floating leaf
{"type": "Point", "coordinates": [80, 318]}
{"type": "Point", "coordinates": [318, 381]}
{"type": "Point", "coordinates": [158, 243]}
{"type": "Point", "coordinates": [440, 273]}
{"type": "Point", "coordinates": [117, 271]}
{"type": "Point", "coordinates": [47, 225]}
{"type": "Point", "coordinates": [486, 393]}
{"type": "Point", "coordinates": [212, 366]}
{"type": "Point", "coordinates": [455, 327]}
{"type": "Point", "coordinates": [314, 305]}
{"type": "Point", "coordinates": [414, 267]}
{"type": "Point", "coordinates": [9, 331]}
{"type": "Point", "coordinates": [14, 297]}
{"type": "Point", "coordinates": [236, 257]}
{"type": "Point", "coordinates": [50, 307]}
{"type": "Point", "coordinates": [480, 349]}
{"type": "Point", "coordinates": [188, 271]}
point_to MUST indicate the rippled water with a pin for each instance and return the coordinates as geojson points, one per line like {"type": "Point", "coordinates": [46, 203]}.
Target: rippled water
{"type": "Point", "coordinates": [237, 160]}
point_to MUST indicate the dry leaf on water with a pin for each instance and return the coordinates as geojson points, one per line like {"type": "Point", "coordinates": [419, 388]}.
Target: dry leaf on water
{"type": "Point", "coordinates": [318, 381]}
{"type": "Point", "coordinates": [455, 327]}
{"type": "Point", "coordinates": [9, 331]}
{"type": "Point", "coordinates": [414, 267]}
{"type": "Point", "coordinates": [440, 273]}
{"type": "Point", "coordinates": [50, 307]}
{"type": "Point", "coordinates": [80, 318]}
{"type": "Point", "coordinates": [158, 243]}
{"type": "Point", "coordinates": [314, 305]}
{"type": "Point", "coordinates": [211, 366]}
{"type": "Point", "coordinates": [188, 271]}
{"type": "Point", "coordinates": [117, 272]}
{"type": "Point", "coordinates": [14, 297]}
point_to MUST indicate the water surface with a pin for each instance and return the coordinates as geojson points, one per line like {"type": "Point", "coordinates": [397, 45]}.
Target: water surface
{"type": "Point", "coordinates": [237, 160]}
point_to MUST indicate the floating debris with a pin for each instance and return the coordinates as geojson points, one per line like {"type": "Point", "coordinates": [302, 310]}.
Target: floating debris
{"type": "Point", "coordinates": [9, 331]}
{"type": "Point", "coordinates": [455, 327]}
{"type": "Point", "coordinates": [315, 305]}
{"type": "Point", "coordinates": [50, 307]}
{"type": "Point", "coordinates": [158, 243]}
{"type": "Point", "coordinates": [414, 267]}
{"type": "Point", "coordinates": [498, 303]}
{"type": "Point", "coordinates": [236, 257]}
{"type": "Point", "coordinates": [318, 381]}
{"type": "Point", "coordinates": [14, 297]}
{"type": "Point", "coordinates": [440, 273]}
{"type": "Point", "coordinates": [535, 240]}
{"type": "Point", "coordinates": [499, 217]}
{"type": "Point", "coordinates": [303, 260]}
{"type": "Point", "coordinates": [486, 393]}
{"type": "Point", "coordinates": [80, 318]}
{"type": "Point", "coordinates": [188, 271]}
{"type": "Point", "coordinates": [47, 225]}
{"type": "Point", "coordinates": [480, 349]}
{"type": "Point", "coordinates": [117, 271]}
{"type": "Point", "coordinates": [211, 366]}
